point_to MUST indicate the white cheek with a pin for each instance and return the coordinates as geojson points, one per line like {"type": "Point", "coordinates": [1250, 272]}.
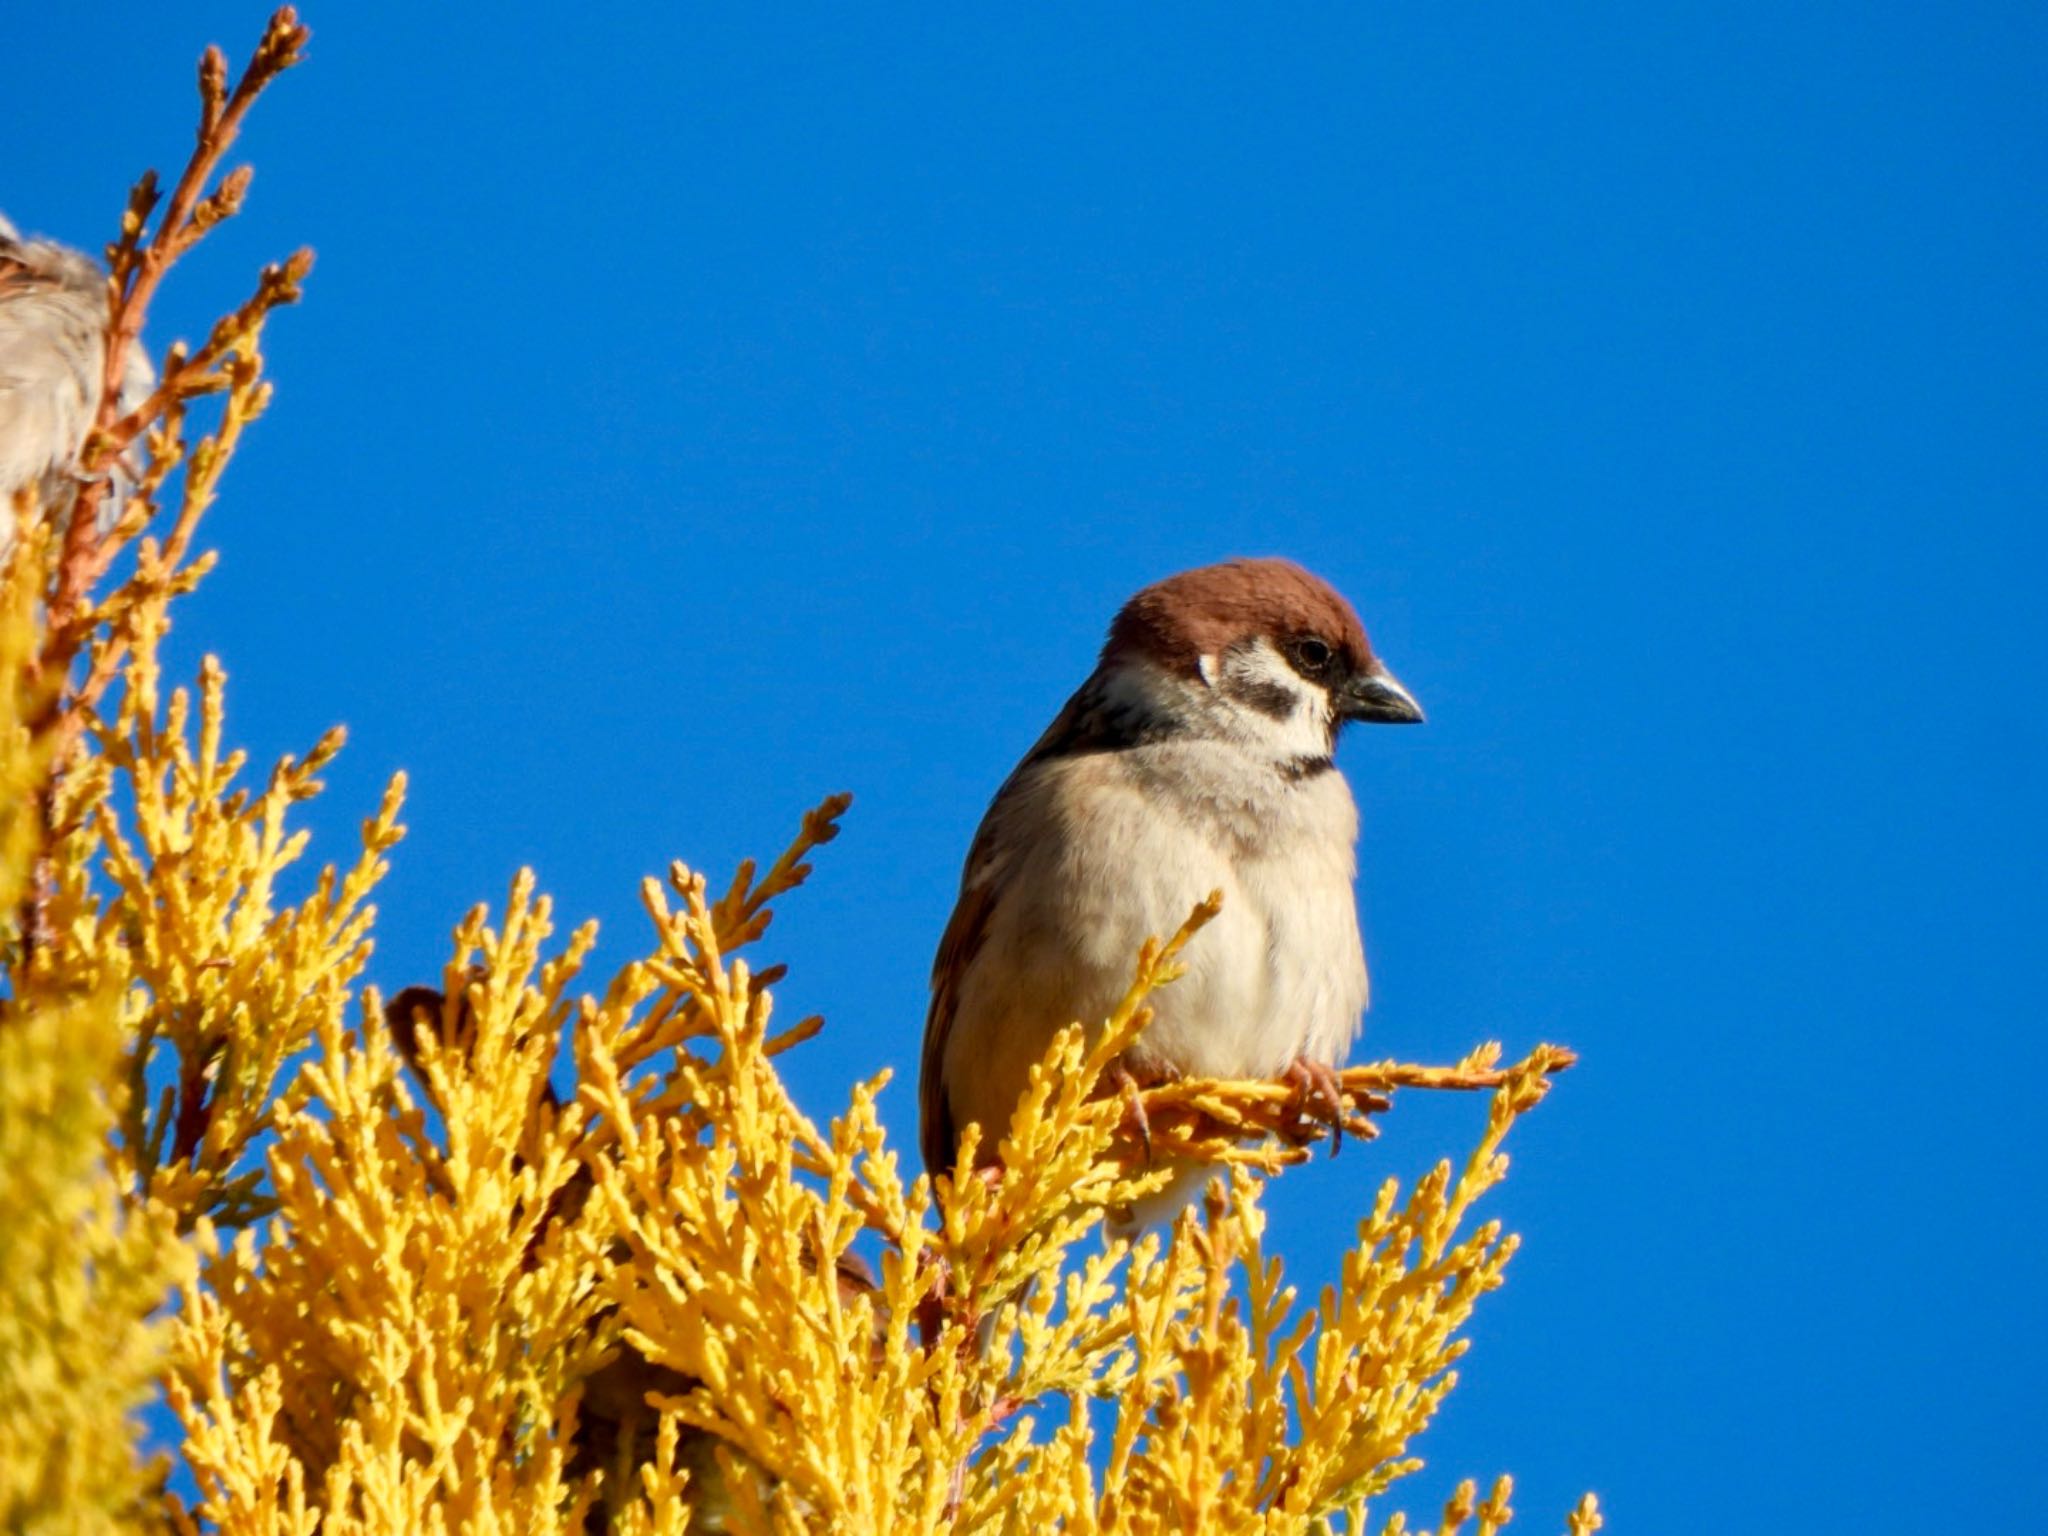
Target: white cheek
{"type": "Point", "coordinates": [1304, 731]}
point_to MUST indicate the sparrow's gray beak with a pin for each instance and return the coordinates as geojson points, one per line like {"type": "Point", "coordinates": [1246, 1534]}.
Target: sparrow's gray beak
{"type": "Point", "coordinates": [1375, 696]}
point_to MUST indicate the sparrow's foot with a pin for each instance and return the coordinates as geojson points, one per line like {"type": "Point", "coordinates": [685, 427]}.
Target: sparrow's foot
{"type": "Point", "coordinates": [1319, 1099]}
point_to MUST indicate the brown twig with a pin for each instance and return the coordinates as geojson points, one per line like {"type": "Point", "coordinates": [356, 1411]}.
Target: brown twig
{"type": "Point", "coordinates": [137, 269]}
{"type": "Point", "coordinates": [226, 362]}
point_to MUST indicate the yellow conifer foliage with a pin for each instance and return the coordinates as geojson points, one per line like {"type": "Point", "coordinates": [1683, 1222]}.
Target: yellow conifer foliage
{"type": "Point", "coordinates": [82, 1269]}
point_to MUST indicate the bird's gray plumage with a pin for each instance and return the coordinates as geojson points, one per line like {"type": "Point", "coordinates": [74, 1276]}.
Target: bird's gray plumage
{"type": "Point", "coordinates": [53, 320]}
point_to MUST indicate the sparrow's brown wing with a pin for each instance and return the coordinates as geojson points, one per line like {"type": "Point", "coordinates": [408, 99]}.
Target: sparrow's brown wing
{"type": "Point", "coordinates": [939, 1137]}
{"type": "Point", "coordinates": [1084, 725]}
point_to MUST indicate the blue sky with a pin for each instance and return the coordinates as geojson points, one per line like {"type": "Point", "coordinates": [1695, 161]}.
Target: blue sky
{"type": "Point", "coordinates": [693, 413]}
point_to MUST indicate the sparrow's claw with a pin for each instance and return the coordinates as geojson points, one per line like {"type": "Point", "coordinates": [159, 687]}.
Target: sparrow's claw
{"type": "Point", "coordinates": [1319, 1098]}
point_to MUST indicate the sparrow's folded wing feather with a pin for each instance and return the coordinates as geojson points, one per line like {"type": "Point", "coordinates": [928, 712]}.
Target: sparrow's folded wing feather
{"type": "Point", "coordinates": [1078, 727]}
{"type": "Point", "coordinates": [938, 1135]}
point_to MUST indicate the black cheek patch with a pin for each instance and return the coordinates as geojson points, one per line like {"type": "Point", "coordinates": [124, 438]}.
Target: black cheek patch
{"type": "Point", "coordinates": [1276, 700]}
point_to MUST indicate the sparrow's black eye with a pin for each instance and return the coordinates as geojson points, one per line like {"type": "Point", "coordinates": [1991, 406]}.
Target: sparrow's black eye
{"type": "Point", "coordinates": [1311, 656]}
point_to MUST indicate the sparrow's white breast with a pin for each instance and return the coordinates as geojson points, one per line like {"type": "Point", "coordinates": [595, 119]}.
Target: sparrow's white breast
{"type": "Point", "coordinates": [1088, 854]}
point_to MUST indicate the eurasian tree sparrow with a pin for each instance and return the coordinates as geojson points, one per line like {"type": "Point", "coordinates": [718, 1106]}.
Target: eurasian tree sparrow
{"type": "Point", "coordinates": [53, 327]}
{"type": "Point", "coordinates": [1196, 757]}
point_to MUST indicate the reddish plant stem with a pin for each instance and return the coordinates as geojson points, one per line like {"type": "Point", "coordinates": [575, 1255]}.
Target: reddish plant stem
{"type": "Point", "coordinates": [133, 284]}
{"type": "Point", "coordinates": [136, 270]}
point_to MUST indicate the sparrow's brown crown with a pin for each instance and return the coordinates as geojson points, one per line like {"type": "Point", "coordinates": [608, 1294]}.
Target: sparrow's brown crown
{"type": "Point", "coordinates": [1203, 612]}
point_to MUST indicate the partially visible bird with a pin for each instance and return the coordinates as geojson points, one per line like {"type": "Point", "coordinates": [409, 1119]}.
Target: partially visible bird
{"type": "Point", "coordinates": [53, 327]}
{"type": "Point", "coordinates": [1196, 757]}
{"type": "Point", "coordinates": [618, 1426]}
